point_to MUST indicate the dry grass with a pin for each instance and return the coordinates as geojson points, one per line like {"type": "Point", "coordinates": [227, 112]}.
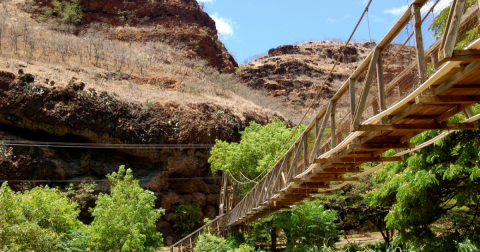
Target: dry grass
{"type": "Point", "coordinates": [131, 71]}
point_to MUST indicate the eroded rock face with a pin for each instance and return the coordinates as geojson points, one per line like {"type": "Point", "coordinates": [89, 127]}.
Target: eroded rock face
{"type": "Point", "coordinates": [174, 21]}
{"type": "Point", "coordinates": [30, 111]}
{"type": "Point", "coordinates": [296, 73]}
{"type": "Point", "coordinates": [180, 23]}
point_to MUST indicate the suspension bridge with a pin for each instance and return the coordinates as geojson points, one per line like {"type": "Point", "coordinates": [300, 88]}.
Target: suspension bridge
{"type": "Point", "coordinates": [399, 90]}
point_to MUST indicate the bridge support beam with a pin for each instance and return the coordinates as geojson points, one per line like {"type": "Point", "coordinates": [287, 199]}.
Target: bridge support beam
{"type": "Point", "coordinates": [412, 127]}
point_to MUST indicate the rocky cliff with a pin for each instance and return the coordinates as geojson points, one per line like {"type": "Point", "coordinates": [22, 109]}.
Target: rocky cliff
{"type": "Point", "coordinates": [34, 111]}
{"type": "Point", "coordinates": [180, 23]}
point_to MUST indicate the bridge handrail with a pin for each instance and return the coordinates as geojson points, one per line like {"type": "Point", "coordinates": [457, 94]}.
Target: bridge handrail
{"type": "Point", "coordinates": [197, 232]}
{"type": "Point", "coordinates": [399, 25]}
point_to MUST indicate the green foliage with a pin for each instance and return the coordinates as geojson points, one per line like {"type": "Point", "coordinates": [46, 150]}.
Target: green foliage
{"type": "Point", "coordinates": [468, 246]}
{"type": "Point", "coordinates": [125, 220]}
{"type": "Point", "coordinates": [306, 226]}
{"type": "Point", "coordinates": [81, 193]}
{"type": "Point", "coordinates": [186, 217]}
{"type": "Point", "coordinates": [68, 12]}
{"type": "Point", "coordinates": [63, 12]}
{"type": "Point", "coordinates": [434, 193]}
{"type": "Point", "coordinates": [5, 152]}
{"type": "Point", "coordinates": [41, 219]}
{"type": "Point", "coordinates": [211, 243]}
{"type": "Point", "coordinates": [257, 149]}
{"type": "Point", "coordinates": [439, 22]}
{"type": "Point", "coordinates": [244, 248]}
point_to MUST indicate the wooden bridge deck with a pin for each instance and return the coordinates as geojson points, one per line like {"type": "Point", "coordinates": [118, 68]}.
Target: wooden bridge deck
{"type": "Point", "coordinates": [315, 161]}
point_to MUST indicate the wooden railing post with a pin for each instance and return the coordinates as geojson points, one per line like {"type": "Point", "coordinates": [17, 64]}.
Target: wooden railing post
{"type": "Point", "coordinates": [381, 85]}
{"type": "Point", "coordinates": [451, 30]}
{"type": "Point", "coordinates": [351, 88]}
{"type": "Point", "coordinates": [366, 88]}
{"type": "Point", "coordinates": [305, 152]}
{"type": "Point", "coordinates": [333, 139]}
{"type": "Point", "coordinates": [417, 24]}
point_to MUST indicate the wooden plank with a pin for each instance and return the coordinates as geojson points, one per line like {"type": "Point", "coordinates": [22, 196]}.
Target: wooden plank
{"type": "Point", "coordinates": [410, 110]}
{"type": "Point", "coordinates": [313, 187]}
{"type": "Point", "coordinates": [447, 99]}
{"type": "Point", "coordinates": [342, 170]}
{"type": "Point", "coordinates": [367, 147]}
{"type": "Point", "coordinates": [333, 139]}
{"type": "Point", "coordinates": [470, 68]}
{"type": "Point", "coordinates": [351, 89]}
{"type": "Point", "coordinates": [417, 24]}
{"type": "Point", "coordinates": [366, 89]}
{"type": "Point", "coordinates": [457, 109]}
{"type": "Point", "coordinates": [358, 159]}
{"type": "Point", "coordinates": [465, 88]}
{"type": "Point", "coordinates": [464, 55]}
{"type": "Point", "coordinates": [331, 179]}
{"type": "Point", "coordinates": [451, 30]}
{"type": "Point", "coordinates": [418, 126]}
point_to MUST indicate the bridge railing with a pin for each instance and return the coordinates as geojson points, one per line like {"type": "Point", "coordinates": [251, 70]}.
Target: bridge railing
{"type": "Point", "coordinates": [393, 69]}
{"type": "Point", "coordinates": [366, 92]}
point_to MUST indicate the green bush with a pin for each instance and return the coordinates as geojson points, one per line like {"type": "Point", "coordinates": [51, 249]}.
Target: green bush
{"type": "Point", "coordinates": [186, 217]}
{"type": "Point", "coordinates": [211, 243]}
{"type": "Point", "coordinates": [126, 219]}
{"type": "Point", "coordinates": [40, 219]}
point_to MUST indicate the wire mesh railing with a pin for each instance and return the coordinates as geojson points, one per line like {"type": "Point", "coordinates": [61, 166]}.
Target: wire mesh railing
{"type": "Point", "coordinates": [395, 67]}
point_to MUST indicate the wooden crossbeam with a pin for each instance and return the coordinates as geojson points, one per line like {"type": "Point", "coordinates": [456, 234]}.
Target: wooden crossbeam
{"type": "Point", "coordinates": [464, 55]}
{"type": "Point", "coordinates": [331, 179]}
{"type": "Point", "coordinates": [354, 160]}
{"type": "Point", "coordinates": [457, 109]}
{"type": "Point", "coordinates": [367, 147]}
{"type": "Point", "coordinates": [342, 170]}
{"type": "Point", "coordinates": [312, 187]}
{"type": "Point", "coordinates": [419, 126]}
{"type": "Point", "coordinates": [470, 68]}
{"type": "Point", "coordinates": [446, 99]}
{"type": "Point", "coordinates": [464, 87]}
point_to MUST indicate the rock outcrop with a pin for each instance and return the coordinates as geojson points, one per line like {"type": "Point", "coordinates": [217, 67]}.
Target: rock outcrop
{"type": "Point", "coordinates": [30, 111]}
{"type": "Point", "coordinates": [296, 72]}
{"type": "Point", "coordinates": [180, 23]}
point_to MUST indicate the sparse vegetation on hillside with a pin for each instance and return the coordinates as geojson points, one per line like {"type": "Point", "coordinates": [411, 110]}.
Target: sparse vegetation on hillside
{"type": "Point", "coordinates": [134, 71]}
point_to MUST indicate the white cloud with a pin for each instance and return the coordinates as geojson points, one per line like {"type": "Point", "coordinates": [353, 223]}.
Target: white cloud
{"type": "Point", "coordinates": [442, 4]}
{"type": "Point", "coordinates": [225, 26]}
{"type": "Point", "coordinates": [396, 11]}
{"type": "Point", "coordinates": [334, 20]}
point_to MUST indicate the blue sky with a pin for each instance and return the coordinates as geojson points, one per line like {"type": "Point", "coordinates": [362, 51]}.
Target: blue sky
{"type": "Point", "coordinates": [252, 27]}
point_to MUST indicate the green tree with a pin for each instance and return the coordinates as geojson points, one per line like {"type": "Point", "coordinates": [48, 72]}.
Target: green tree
{"type": "Point", "coordinates": [40, 219]}
{"type": "Point", "coordinates": [257, 149]}
{"type": "Point", "coordinates": [211, 243]}
{"type": "Point", "coordinates": [440, 20]}
{"type": "Point", "coordinates": [68, 12]}
{"type": "Point", "coordinates": [434, 193]}
{"type": "Point", "coordinates": [306, 226]}
{"type": "Point", "coordinates": [126, 219]}
{"type": "Point", "coordinates": [186, 217]}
